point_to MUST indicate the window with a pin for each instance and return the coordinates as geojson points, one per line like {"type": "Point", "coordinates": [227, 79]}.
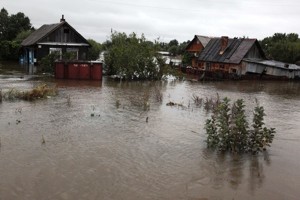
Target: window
{"type": "Point", "coordinates": [207, 66]}
{"type": "Point", "coordinates": [233, 71]}
{"type": "Point", "coordinates": [72, 53]}
{"type": "Point", "coordinates": [66, 30]}
{"type": "Point", "coordinates": [56, 51]}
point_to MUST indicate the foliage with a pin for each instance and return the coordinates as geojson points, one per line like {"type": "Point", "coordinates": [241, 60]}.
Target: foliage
{"type": "Point", "coordinates": [228, 129]}
{"type": "Point", "coordinates": [13, 29]}
{"type": "Point", "coordinates": [39, 92]}
{"type": "Point", "coordinates": [282, 47]}
{"type": "Point", "coordinates": [47, 62]}
{"type": "Point", "coordinates": [187, 58]}
{"type": "Point", "coordinates": [132, 57]}
{"type": "Point", "coordinates": [94, 51]}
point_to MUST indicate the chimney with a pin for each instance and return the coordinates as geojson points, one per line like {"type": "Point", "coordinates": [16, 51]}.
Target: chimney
{"type": "Point", "coordinates": [224, 44]}
{"type": "Point", "coordinates": [62, 19]}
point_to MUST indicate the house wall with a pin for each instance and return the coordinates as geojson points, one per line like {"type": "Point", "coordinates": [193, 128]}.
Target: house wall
{"type": "Point", "coordinates": [226, 68]}
{"type": "Point", "coordinates": [195, 46]}
{"type": "Point", "coordinates": [44, 50]}
{"type": "Point", "coordinates": [254, 52]}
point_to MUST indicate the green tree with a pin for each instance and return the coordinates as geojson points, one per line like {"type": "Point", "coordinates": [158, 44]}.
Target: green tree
{"type": "Point", "coordinates": [132, 57]}
{"type": "Point", "coordinates": [95, 49]}
{"type": "Point", "coordinates": [282, 47]}
{"type": "Point", "coordinates": [173, 43]}
{"type": "Point", "coordinates": [4, 23]}
{"type": "Point", "coordinates": [13, 29]}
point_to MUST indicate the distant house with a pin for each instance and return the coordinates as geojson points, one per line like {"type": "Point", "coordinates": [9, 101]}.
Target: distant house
{"type": "Point", "coordinates": [60, 37]}
{"type": "Point", "coordinates": [196, 46]}
{"type": "Point", "coordinates": [174, 61]}
{"type": "Point", "coordinates": [224, 57]}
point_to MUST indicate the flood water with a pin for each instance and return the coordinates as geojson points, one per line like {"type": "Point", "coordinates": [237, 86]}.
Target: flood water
{"type": "Point", "coordinates": [98, 144]}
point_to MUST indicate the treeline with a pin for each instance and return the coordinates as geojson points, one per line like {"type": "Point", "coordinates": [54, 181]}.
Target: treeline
{"type": "Point", "coordinates": [282, 47]}
{"type": "Point", "coordinates": [13, 30]}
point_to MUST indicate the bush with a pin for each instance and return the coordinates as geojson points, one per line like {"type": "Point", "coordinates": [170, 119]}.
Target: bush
{"type": "Point", "coordinates": [228, 129]}
{"type": "Point", "coordinates": [39, 92]}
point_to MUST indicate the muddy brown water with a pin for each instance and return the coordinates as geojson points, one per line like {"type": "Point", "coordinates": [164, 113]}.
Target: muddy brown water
{"type": "Point", "coordinates": [116, 154]}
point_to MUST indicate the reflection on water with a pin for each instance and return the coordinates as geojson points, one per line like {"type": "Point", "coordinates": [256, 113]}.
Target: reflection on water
{"type": "Point", "coordinates": [116, 154]}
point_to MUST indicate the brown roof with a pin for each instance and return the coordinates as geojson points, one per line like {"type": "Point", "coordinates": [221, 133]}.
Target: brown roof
{"type": "Point", "coordinates": [235, 51]}
{"type": "Point", "coordinates": [40, 34]}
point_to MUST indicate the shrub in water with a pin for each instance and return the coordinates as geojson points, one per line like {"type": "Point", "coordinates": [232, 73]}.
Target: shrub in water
{"type": "Point", "coordinates": [228, 129]}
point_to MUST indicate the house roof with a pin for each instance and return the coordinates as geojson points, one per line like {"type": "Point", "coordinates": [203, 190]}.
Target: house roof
{"type": "Point", "coordinates": [40, 34]}
{"type": "Point", "coordinates": [235, 51]}
{"type": "Point", "coordinates": [44, 31]}
{"type": "Point", "coordinates": [203, 39]}
{"type": "Point", "coordinates": [273, 63]}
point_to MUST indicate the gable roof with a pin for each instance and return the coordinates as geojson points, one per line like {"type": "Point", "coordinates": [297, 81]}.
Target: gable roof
{"type": "Point", "coordinates": [40, 34]}
{"type": "Point", "coordinates": [202, 39]}
{"type": "Point", "coordinates": [235, 51]}
{"type": "Point", "coordinates": [44, 31]}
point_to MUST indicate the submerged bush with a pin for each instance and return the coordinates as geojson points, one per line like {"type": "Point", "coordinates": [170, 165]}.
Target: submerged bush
{"type": "Point", "coordinates": [228, 129]}
{"type": "Point", "coordinates": [39, 92]}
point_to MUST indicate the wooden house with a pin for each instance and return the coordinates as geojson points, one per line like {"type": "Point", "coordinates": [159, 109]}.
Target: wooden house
{"type": "Point", "coordinates": [196, 46]}
{"type": "Point", "coordinates": [61, 38]}
{"type": "Point", "coordinates": [223, 57]}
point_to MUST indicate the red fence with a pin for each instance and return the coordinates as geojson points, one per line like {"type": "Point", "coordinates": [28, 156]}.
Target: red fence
{"type": "Point", "coordinates": [78, 70]}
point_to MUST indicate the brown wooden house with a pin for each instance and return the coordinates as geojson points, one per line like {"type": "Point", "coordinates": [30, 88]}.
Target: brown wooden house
{"type": "Point", "coordinates": [223, 57]}
{"type": "Point", "coordinates": [60, 37]}
{"type": "Point", "coordinates": [196, 46]}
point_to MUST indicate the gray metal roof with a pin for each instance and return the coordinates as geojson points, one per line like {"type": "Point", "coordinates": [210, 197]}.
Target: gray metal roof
{"type": "Point", "coordinates": [235, 51]}
{"type": "Point", "coordinates": [40, 33]}
{"type": "Point", "coordinates": [273, 63]}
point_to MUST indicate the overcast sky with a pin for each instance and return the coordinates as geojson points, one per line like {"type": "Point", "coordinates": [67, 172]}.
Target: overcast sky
{"type": "Point", "coordinates": [165, 19]}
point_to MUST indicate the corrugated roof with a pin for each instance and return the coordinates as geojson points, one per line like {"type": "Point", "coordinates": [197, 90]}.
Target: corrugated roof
{"type": "Point", "coordinates": [273, 63]}
{"type": "Point", "coordinates": [235, 51]}
{"type": "Point", "coordinates": [40, 33]}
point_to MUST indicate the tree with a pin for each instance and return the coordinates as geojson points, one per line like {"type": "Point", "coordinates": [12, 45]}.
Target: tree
{"type": "Point", "coordinates": [95, 49]}
{"type": "Point", "coordinates": [4, 21]}
{"type": "Point", "coordinates": [132, 57]}
{"type": "Point", "coordinates": [173, 43]}
{"type": "Point", "coordinates": [282, 47]}
{"type": "Point", "coordinates": [13, 29]}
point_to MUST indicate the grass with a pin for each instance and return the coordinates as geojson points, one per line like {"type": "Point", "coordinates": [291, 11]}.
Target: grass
{"type": "Point", "coordinates": [39, 92]}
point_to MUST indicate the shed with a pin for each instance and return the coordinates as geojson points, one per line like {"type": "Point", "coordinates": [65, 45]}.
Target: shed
{"type": "Point", "coordinates": [270, 69]}
{"type": "Point", "coordinates": [60, 37]}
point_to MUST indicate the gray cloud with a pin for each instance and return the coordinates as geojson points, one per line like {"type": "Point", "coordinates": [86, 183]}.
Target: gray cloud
{"type": "Point", "coordinates": [167, 19]}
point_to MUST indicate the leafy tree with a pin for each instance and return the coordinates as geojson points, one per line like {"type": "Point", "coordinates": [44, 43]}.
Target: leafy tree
{"type": "Point", "coordinates": [13, 29]}
{"type": "Point", "coordinates": [282, 47]}
{"type": "Point", "coordinates": [95, 49]}
{"type": "Point", "coordinates": [132, 57]}
{"type": "Point", "coordinates": [4, 23]}
{"type": "Point", "coordinates": [173, 43]}
{"type": "Point", "coordinates": [173, 50]}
